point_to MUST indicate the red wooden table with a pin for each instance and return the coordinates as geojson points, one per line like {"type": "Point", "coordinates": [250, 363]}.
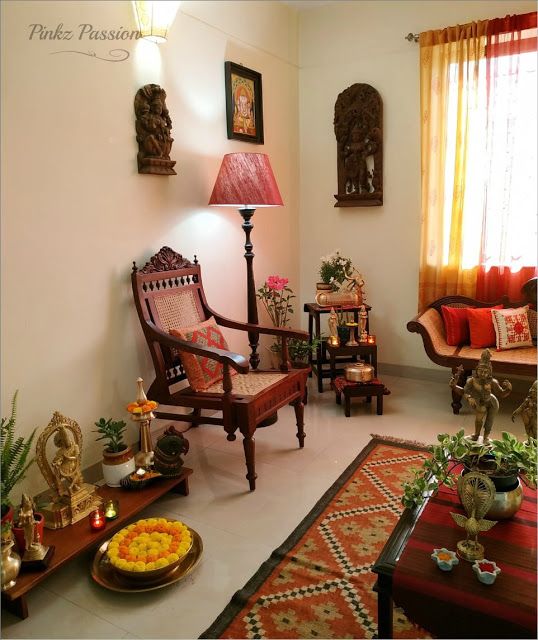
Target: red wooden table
{"type": "Point", "coordinates": [455, 604]}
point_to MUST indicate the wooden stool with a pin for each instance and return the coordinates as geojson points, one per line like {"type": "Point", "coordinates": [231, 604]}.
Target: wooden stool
{"type": "Point", "coordinates": [357, 390]}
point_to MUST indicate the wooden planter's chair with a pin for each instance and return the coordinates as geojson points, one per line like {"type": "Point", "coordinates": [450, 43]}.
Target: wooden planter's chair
{"type": "Point", "coordinates": [169, 296]}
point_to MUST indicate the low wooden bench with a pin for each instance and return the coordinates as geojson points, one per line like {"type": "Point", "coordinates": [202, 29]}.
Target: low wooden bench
{"type": "Point", "coordinates": [359, 390]}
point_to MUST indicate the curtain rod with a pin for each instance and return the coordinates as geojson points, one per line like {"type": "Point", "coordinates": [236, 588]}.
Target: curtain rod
{"type": "Point", "coordinates": [411, 37]}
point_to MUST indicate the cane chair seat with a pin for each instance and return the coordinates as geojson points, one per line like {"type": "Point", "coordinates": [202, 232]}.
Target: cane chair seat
{"type": "Point", "coordinates": [169, 295]}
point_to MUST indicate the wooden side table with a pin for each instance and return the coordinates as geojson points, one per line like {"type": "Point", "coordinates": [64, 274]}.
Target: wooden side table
{"type": "Point", "coordinates": [314, 330]}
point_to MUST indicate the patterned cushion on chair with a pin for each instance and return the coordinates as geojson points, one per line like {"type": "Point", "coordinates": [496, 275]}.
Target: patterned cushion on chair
{"type": "Point", "coordinates": [511, 328]}
{"type": "Point", "coordinates": [202, 372]}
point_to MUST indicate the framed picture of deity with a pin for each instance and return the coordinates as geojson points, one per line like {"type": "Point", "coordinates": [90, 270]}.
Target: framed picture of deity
{"type": "Point", "coordinates": [244, 106]}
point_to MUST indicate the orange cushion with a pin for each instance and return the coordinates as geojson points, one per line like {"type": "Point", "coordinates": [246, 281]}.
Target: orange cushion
{"type": "Point", "coordinates": [481, 327]}
{"type": "Point", "coordinates": [456, 325]}
{"type": "Point", "coordinates": [202, 372]}
{"type": "Point", "coordinates": [511, 328]}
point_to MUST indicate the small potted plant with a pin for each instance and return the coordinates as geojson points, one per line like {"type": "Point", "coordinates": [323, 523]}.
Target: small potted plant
{"type": "Point", "coordinates": [118, 457]}
{"type": "Point", "coordinates": [504, 461]}
{"type": "Point", "coordinates": [15, 458]}
{"type": "Point", "coordinates": [333, 270]}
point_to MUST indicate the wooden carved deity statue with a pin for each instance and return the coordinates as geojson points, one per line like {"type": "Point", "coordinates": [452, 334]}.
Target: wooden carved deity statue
{"type": "Point", "coordinates": [358, 126]}
{"type": "Point", "coordinates": [153, 127]}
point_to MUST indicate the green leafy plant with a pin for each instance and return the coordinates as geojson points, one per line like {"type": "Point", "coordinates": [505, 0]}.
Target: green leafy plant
{"type": "Point", "coordinates": [113, 432]}
{"type": "Point", "coordinates": [333, 269]}
{"type": "Point", "coordinates": [15, 452]}
{"type": "Point", "coordinates": [504, 457]}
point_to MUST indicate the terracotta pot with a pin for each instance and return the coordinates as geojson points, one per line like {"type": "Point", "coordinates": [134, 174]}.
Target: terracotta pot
{"type": "Point", "coordinates": [117, 465]}
{"type": "Point", "coordinates": [18, 532]}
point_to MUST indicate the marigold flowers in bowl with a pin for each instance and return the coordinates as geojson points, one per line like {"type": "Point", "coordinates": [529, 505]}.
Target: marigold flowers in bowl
{"type": "Point", "coordinates": [149, 548]}
{"type": "Point", "coordinates": [486, 571]}
{"type": "Point", "coordinates": [444, 559]}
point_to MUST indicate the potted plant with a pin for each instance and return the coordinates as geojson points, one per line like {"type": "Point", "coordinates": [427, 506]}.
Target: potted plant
{"type": "Point", "coordinates": [333, 269]}
{"type": "Point", "coordinates": [118, 457]}
{"type": "Point", "coordinates": [15, 461]}
{"type": "Point", "coordinates": [343, 319]}
{"type": "Point", "coordinates": [504, 461]}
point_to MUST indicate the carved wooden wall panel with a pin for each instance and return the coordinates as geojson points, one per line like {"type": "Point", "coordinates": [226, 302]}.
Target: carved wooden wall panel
{"type": "Point", "coordinates": [358, 126]}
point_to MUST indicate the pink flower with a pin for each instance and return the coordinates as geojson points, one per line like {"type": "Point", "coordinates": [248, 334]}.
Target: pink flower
{"type": "Point", "coordinates": [276, 283]}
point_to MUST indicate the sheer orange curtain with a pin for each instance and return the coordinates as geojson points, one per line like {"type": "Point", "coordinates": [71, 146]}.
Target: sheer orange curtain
{"type": "Point", "coordinates": [446, 55]}
{"type": "Point", "coordinates": [469, 242]}
{"type": "Point", "coordinates": [508, 250]}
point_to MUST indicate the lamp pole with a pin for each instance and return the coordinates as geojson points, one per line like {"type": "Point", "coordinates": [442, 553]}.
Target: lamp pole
{"type": "Point", "coordinates": [252, 307]}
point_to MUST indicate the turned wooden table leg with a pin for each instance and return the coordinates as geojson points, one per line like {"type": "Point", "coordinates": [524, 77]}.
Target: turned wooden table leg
{"type": "Point", "coordinates": [347, 408]}
{"type": "Point", "coordinates": [379, 404]}
{"type": "Point", "coordinates": [249, 447]}
{"type": "Point", "coordinates": [298, 405]}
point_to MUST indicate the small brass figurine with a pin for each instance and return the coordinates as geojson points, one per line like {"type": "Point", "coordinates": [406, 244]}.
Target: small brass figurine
{"type": "Point", "coordinates": [34, 549]}
{"type": "Point", "coordinates": [527, 411]}
{"type": "Point", "coordinates": [69, 498]}
{"type": "Point", "coordinates": [333, 340]}
{"type": "Point", "coordinates": [363, 321]}
{"type": "Point", "coordinates": [477, 493]}
{"type": "Point", "coordinates": [479, 392]}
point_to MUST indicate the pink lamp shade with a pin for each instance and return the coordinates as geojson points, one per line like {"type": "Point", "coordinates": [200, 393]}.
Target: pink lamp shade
{"type": "Point", "coordinates": [246, 180]}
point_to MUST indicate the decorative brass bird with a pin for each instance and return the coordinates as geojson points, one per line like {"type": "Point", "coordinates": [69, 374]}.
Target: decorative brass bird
{"type": "Point", "coordinates": [477, 493]}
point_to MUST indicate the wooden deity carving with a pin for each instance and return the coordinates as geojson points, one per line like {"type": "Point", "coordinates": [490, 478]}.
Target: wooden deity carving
{"type": "Point", "coordinates": [358, 126]}
{"type": "Point", "coordinates": [153, 127]}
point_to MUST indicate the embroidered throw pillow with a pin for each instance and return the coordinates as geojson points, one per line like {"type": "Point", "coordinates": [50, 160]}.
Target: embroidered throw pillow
{"type": "Point", "coordinates": [202, 372]}
{"type": "Point", "coordinates": [511, 328]}
{"type": "Point", "coordinates": [481, 328]}
{"type": "Point", "coordinates": [456, 325]}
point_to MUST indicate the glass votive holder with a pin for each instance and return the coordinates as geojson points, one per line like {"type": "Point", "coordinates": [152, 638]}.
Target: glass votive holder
{"type": "Point", "coordinates": [97, 519]}
{"type": "Point", "coordinates": [370, 339]}
{"type": "Point", "coordinates": [112, 509]}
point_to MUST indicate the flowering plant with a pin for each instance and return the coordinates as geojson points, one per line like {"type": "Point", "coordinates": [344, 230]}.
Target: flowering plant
{"type": "Point", "coordinates": [334, 267]}
{"type": "Point", "coordinates": [275, 296]}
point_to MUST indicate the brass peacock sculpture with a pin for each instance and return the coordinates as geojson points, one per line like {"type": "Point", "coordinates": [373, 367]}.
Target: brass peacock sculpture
{"type": "Point", "coordinates": [477, 493]}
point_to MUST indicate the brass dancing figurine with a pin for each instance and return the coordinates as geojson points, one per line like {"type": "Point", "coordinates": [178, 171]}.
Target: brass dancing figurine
{"type": "Point", "coordinates": [527, 411]}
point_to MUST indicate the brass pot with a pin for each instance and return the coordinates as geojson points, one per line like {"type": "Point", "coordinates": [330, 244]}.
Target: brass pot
{"type": "Point", "coordinates": [359, 372]}
{"type": "Point", "coordinates": [11, 565]}
{"type": "Point", "coordinates": [506, 503]}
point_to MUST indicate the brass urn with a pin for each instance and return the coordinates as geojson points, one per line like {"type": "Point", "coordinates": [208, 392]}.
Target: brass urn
{"type": "Point", "coordinates": [11, 565]}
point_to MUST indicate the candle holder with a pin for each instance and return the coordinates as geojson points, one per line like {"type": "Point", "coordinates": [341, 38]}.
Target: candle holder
{"type": "Point", "coordinates": [142, 411]}
{"type": "Point", "coordinates": [97, 519]}
{"type": "Point", "coordinates": [112, 509]}
{"type": "Point", "coordinates": [352, 342]}
{"type": "Point", "coordinates": [371, 339]}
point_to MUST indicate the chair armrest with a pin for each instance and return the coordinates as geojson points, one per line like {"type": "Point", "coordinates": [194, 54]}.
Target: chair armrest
{"type": "Point", "coordinates": [235, 360]}
{"type": "Point", "coordinates": [280, 332]}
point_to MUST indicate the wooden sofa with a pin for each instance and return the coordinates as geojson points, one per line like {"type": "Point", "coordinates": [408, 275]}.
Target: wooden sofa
{"type": "Point", "coordinates": [429, 324]}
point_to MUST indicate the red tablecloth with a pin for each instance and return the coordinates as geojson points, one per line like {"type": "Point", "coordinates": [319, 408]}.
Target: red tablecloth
{"type": "Point", "coordinates": [455, 604]}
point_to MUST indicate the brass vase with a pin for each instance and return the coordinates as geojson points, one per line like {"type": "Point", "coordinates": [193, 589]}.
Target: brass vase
{"type": "Point", "coordinates": [11, 565]}
{"type": "Point", "coordinates": [506, 503]}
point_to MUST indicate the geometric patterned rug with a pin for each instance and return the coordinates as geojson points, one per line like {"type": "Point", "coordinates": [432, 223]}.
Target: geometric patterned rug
{"type": "Point", "coordinates": [318, 583]}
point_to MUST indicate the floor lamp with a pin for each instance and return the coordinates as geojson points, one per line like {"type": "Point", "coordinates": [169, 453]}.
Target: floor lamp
{"type": "Point", "coordinates": [246, 181]}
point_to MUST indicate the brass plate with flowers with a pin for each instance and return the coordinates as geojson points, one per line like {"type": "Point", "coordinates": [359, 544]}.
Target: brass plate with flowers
{"type": "Point", "coordinates": [106, 575]}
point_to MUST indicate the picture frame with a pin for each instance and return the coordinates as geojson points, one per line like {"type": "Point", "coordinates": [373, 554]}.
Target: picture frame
{"type": "Point", "coordinates": [244, 103]}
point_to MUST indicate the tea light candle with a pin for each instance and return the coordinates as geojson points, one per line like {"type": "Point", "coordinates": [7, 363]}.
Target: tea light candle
{"type": "Point", "coordinates": [371, 339]}
{"type": "Point", "coordinates": [97, 519]}
{"type": "Point", "coordinates": [112, 509]}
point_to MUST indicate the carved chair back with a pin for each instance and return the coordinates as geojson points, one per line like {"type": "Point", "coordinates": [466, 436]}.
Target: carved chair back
{"type": "Point", "coordinates": [168, 293]}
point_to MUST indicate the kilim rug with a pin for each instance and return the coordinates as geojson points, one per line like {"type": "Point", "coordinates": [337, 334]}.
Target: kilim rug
{"type": "Point", "coordinates": [318, 583]}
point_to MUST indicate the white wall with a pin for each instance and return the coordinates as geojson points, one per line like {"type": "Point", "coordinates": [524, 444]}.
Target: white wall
{"type": "Point", "coordinates": [75, 212]}
{"type": "Point", "coordinates": [341, 44]}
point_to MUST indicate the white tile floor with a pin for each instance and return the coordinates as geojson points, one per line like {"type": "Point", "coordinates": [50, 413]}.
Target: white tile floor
{"type": "Point", "coordinates": [239, 528]}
